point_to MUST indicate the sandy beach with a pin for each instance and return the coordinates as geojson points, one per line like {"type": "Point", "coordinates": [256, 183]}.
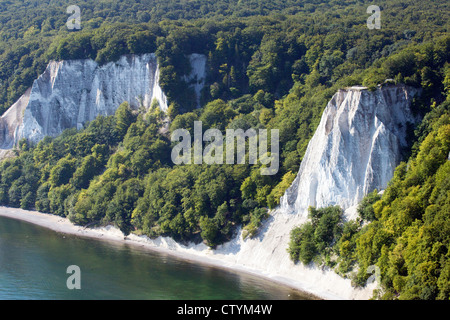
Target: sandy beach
{"type": "Point", "coordinates": [199, 253]}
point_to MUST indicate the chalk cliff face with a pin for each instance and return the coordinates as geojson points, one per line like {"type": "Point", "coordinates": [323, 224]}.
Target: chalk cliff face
{"type": "Point", "coordinates": [198, 73]}
{"type": "Point", "coordinates": [71, 93]}
{"type": "Point", "coordinates": [355, 148]}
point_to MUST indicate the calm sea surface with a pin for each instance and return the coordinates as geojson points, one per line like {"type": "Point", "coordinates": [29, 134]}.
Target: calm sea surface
{"type": "Point", "coordinates": [34, 261]}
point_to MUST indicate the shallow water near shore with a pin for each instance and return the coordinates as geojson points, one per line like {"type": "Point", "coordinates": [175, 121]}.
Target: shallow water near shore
{"type": "Point", "coordinates": [34, 261]}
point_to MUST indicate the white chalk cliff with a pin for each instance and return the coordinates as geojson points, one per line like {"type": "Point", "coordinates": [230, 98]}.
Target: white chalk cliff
{"type": "Point", "coordinates": [70, 93]}
{"type": "Point", "coordinates": [354, 150]}
{"type": "Point", "coordinates": [197, 76]}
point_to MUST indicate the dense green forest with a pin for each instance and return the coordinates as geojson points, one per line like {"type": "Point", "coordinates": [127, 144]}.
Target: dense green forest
{"type": "Point", "coordinates": [271, 65]}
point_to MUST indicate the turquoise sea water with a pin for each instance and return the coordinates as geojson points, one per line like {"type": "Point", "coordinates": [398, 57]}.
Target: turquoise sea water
{"type": "Point", "coordinates": [34, 261]}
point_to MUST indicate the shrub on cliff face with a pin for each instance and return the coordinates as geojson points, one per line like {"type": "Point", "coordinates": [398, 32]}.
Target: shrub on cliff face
{"type": "Point", "coordinates": [257, 216]}
{"type": "Point", "coordinates": [301, 246]}
{"type": "Point", "coordinates": [314, 240]}
{"type": "Point", "coordinates": [273, 199]}
{"type": "Point", "coordinates": [365, 207]}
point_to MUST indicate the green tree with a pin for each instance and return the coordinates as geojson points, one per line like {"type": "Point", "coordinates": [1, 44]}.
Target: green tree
{"type": "Point", "coordinates": [85, 172]}
{"type": "Point", "coordinates": [216, 114]}
{"type": "Point", "coordinates": [208, 231]}
{"type": "Point", "coordinates": [62, 172]}
{"type": "Point", "coordinates": [124, 118]}
{"type": "Point", "coordinates": [365, 207]}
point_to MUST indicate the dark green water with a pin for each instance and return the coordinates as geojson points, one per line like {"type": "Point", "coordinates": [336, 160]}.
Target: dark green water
{"type": "Point", "coordinates": [34, 261]}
